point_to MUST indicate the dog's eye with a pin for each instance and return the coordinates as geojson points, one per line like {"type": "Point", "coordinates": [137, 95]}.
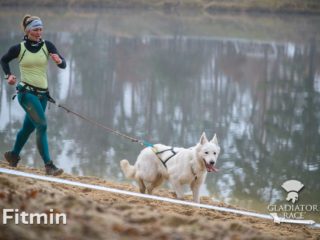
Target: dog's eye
{"type": "Point", "coordinates": [206, 152]}
{"type": "Point", "coordinates": [214, 153]}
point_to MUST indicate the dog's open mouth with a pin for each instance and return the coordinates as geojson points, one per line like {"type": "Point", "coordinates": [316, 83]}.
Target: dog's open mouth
{"type": "Point", "coordinates": [210, 167]}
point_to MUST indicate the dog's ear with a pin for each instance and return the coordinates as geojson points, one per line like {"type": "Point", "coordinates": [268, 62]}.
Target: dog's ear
{"type": "Point", "coordinates": [214, 139]}
{"type": "Point", "coordinates": [203, 139]}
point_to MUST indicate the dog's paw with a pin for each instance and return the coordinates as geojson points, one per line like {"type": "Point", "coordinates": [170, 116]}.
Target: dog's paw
{"type": "Point", "coordinates": [173, 194]}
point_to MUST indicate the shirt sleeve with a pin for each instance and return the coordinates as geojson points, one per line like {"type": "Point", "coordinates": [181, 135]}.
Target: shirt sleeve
{"type": "Point", "coordinates": [52, 49]}
{"type": "Point", "coordinates": [12, 53]}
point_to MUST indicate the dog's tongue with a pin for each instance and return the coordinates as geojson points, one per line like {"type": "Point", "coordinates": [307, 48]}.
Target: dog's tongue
{"type": "Point", "coordinates": [211, 168]}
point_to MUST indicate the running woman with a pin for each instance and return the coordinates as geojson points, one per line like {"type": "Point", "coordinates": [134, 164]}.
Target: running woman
{"type": "Point", "coordinates": [32, 54]}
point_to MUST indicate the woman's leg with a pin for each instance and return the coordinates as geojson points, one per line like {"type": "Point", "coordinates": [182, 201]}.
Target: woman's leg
{"type": "Point", "coordinates": [23, 135]}
{"type": "Point", "coordinates": [35, 119]}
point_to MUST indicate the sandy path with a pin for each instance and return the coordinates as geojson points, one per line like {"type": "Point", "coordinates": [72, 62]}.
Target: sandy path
{"type": "Point", "coordinates": [102, 215]}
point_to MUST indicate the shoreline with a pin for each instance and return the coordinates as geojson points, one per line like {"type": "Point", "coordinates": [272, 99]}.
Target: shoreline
{"type": "Point", "coordinates": [104, 215]}
{"type": "Point", "coordinates": [307, 7]}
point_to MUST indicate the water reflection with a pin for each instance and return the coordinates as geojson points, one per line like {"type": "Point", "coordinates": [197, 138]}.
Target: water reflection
{"type": "Point", "coordinates": [260, 96]}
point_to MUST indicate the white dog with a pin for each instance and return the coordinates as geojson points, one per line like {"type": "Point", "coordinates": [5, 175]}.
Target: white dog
{"type": "Point", "coordinates": [178, 165]}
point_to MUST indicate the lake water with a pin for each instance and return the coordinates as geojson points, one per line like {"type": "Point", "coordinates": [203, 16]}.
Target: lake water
{"type": "Point", "coordinates": [167, 77]}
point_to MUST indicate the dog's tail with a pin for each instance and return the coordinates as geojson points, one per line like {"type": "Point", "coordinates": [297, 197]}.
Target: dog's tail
{"type": "Point", "coordinates": [128, 170]}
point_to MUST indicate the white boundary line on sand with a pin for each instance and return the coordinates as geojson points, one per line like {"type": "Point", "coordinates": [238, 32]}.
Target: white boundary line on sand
{"type": "Point", "coordinates": [152, 197]}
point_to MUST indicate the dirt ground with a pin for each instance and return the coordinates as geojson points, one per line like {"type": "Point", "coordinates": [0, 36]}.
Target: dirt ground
{"type": "Point", "coordinates": [93, 214]}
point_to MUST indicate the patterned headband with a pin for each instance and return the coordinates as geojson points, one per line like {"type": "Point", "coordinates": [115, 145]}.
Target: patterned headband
{"type": "Point", "coordinates": [37, 23]}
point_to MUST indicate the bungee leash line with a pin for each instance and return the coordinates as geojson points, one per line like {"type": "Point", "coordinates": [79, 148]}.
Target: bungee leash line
{"type": "Point", "coordinates": [132, 139]}
{"type": "Point", "coordinates": [157, 198]}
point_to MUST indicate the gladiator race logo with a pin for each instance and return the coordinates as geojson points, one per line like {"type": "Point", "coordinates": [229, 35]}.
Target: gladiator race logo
{"type": "Point", "coordinates": [292, 212]}
{"type": "Point", "coordinates": [293, 187]}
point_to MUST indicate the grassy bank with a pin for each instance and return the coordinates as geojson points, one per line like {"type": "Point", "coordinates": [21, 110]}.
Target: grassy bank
{"type": "Point", "coordinates": [272, 6]}
{"type": "Point", "coordinates": [284, 6]}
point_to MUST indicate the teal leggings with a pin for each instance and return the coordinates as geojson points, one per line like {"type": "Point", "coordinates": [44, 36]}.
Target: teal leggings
{"type": "Point", "coordinates": [35, 119]}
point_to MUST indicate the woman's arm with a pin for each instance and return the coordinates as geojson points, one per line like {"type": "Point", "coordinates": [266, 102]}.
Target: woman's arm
{"type": "Point", "coordinates": [55, 55]}
{"type": "Point", "coordinates": [9, 56]}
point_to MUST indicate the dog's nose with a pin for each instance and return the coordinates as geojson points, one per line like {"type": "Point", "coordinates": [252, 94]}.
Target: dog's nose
{"type": "Point", "coordinates": [212, 162]}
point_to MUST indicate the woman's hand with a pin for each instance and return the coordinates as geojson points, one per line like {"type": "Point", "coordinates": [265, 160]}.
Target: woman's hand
{"type": "Point", "coordinates": [56, 58]}
{"type": "Point", "coordinates": [12, 79]}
